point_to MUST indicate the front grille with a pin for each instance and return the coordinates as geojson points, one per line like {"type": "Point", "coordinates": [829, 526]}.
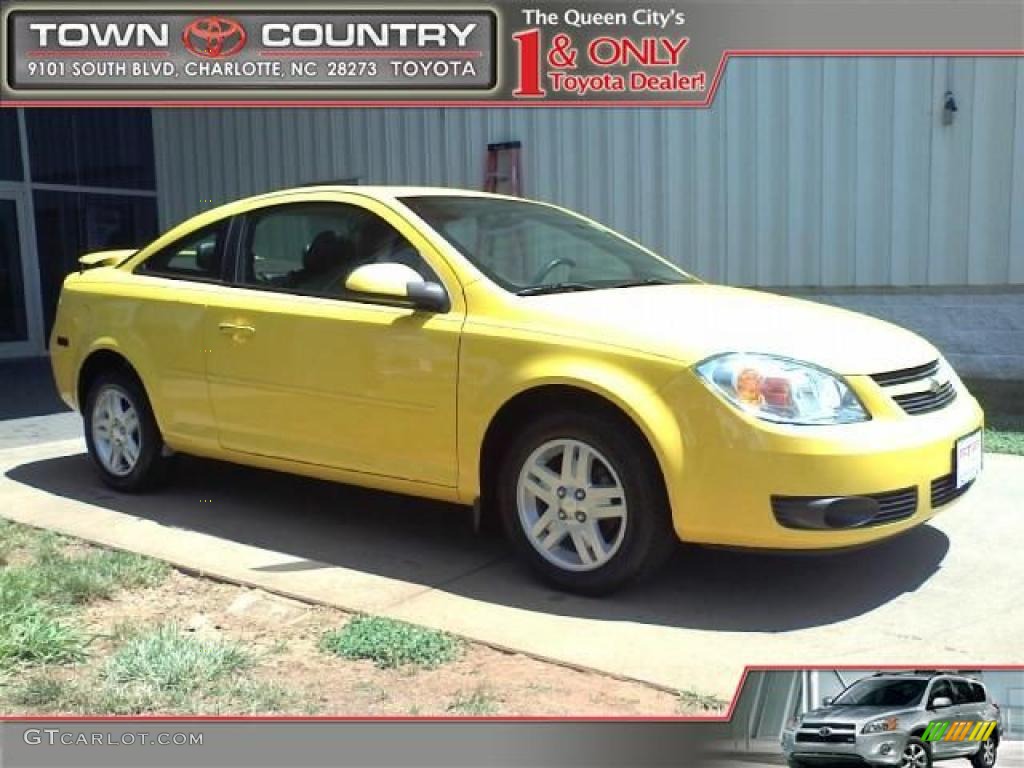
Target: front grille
{"type": "Point", "coordinates": [895, 505]}
{"type": "Point", "coordinates": [932, 394]}
{"type": "Point", "coordinates": [928, 401]}
{"type": "Point", "coordinates": [944, 490]}
{"type": "Point", "coordinates": [833, 726]}
{"type": "Point", "coordinates": [833, 738]}
{"type": "Point", "coordinates": [799, 511]}
{"type": "Point", "coordinates": [907, 375]}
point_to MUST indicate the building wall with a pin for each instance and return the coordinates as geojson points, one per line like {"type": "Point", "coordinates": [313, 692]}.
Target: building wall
{"type": "Point", "coordinates": [805, 172]}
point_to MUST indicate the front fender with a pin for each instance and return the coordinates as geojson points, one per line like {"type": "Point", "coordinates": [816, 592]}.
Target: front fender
{"type": "Point", "coordinates": [628, 382]}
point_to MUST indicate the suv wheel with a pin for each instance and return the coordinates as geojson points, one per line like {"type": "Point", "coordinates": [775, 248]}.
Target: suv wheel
{"type": "Point", "coordinates": [985, 757]}
{"type": "Point", "coordinates": [121, 434]}
{"type": "Point", "coordinates": [580, 500]}
{"type": "Point", "coordinates": [916, 755]}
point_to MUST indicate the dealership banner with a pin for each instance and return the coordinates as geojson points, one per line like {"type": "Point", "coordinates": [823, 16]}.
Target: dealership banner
{"type": "Point", "coordinates": [664, 53]}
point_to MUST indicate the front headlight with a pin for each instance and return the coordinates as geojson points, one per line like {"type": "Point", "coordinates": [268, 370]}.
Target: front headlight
{"type": "Point", "coordinates": [782, 390]}
{"type": "Point", "coordinates": [881, 726]}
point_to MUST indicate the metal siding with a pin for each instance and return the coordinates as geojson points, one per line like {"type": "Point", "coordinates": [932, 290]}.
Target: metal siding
{"type": "Point", "coordinates": [834, 172]}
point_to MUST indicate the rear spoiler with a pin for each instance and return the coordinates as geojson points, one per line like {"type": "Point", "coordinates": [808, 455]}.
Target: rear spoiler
{"type": "Point", "coordinates": [104, 258]}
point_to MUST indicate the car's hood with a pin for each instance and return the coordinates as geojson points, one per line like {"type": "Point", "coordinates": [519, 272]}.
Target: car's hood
{"type": "Point", "coordinates": [692, 322]}
{"type": "Point", "coordinates": [841, 714]}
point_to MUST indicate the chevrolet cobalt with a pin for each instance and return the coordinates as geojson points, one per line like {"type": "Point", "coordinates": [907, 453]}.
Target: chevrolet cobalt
{"type": "Point", "coordinates": [488, 350]}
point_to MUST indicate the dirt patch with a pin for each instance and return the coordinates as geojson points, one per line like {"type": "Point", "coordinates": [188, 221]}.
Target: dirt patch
{"type": "Point", "coordinates": [285, 635]}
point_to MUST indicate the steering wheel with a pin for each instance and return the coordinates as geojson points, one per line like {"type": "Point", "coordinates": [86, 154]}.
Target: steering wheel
{"type": "Point", "coordinates": [550, 267]}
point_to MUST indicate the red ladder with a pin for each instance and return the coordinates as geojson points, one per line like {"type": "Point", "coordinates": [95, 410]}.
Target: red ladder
{"type": "Point", "coordinates": [503, 169]}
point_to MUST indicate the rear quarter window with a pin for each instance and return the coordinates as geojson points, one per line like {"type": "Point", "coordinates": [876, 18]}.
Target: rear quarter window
{"type": "Point", "coordinates": [977, 693]}
{"type": "Point", "coordinates": [197, 256]}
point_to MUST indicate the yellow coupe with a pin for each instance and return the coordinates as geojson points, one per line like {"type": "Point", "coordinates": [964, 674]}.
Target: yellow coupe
{"type": "Point", "coordinates": [488, 350]}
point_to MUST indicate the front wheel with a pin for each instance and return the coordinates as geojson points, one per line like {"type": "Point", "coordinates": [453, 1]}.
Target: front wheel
{"type": "Point", "coordinates": [916, 755]}
{"type": "Point", "coordinates": [584, 503]}
{"type": "Point", "coordinates": [985, 757]}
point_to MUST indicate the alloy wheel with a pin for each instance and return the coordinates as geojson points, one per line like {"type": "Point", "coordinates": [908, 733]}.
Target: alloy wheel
{"type": "Point", "coordinates": [116, 434]}
{"type": "Point", "coordinates": [572, 505]}
{"type": "Point", "coordinates": [914, 756]}
{"type": "Point", "coordinates": [988, 752]}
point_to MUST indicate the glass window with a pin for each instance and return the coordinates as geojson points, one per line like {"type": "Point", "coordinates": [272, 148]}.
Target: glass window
{"type": "Point", "coordinates": [881, 692]}
{"type": "Point", "coordinates": [977, 693]}
{"type": "Point", "coordinates": [196, 257]}
{"type": "Point", "coordinates": [12, 293]}
{"type": "Point", "coordinates": [91, 147]}
{"type": "Point", "coordinates": [312, 248]}
{"type": "Point", "coordinates": [10, 146]}
{"type": "Point", "coordinates": [530, 248]}
{"type": "Point", "coordinates": [70, 224]}
{"type": "Point", "coordinates": [962, 692]}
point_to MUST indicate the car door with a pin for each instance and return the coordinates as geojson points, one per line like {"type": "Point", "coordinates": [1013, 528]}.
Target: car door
{"type": "Point", "coordinates": [159, 317]}
{"type": "Point", "coordinates": [968, 709]}
{"type": "Point", "coordinates": [941, 688]}
{"type": "Point", "coordinates": [300, 369]}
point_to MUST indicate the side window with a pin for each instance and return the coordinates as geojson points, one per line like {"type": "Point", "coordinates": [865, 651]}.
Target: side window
{"type": "Point", "coordinates": [197, 256]}
{"type": "Point", "coordinates": [977, 693]}
{"type": "Point", "coordinates": [962, 692]}
{"type": "Point", "coordinates": [312, 248]}
{"type": "Point", "coordinates": [941, 689]}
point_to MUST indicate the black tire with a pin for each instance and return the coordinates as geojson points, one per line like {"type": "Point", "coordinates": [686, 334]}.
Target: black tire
{"type": "Point", "coordinates": [649, 538]}
{"type": "Point", "coordinates": [980, 758]}
{"type": "Point", "coordinates": [794, 763]}
{"type": "Point", "coordinates": [151, 466]}
{"type": "Point", "coordinates": [913, 741]}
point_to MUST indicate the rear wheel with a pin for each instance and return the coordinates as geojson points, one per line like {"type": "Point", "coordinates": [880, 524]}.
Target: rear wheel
{"type": "Point", "coordinates": [985, 757]}
{"type": "Point", "coordinates": [584, 503]}
{"type": "Point", "coordinates": [122, 436]}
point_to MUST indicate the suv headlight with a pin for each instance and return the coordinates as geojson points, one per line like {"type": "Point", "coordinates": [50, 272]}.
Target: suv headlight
{"type": "Point", "coordinates": [782, 390]}
{"type": "Point", "coordinates": [881, 726]}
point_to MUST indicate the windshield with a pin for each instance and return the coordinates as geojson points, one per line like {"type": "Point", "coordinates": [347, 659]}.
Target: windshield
{"type": "Point", "coordinates": [529, 248]}
{"type": "Point", "coordinates": [882, 693]}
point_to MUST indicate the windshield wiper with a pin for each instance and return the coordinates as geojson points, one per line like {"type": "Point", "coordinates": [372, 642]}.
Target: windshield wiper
{"type": "Point", "coordinates": [644, 281]}
{"type": "Point", "coordinates": [540, 290]}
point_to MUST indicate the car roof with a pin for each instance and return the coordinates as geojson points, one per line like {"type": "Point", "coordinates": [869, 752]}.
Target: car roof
{"type": "Point", "coordinates": [390, 192]}
{"type": "Point", "coordinates": [377, 192]}
{"type": "Point", "coordinates": [925, 676]}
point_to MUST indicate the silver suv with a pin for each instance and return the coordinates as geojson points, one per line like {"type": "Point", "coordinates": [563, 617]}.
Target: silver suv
{"type": "Point", "coordinates": [879, 720]}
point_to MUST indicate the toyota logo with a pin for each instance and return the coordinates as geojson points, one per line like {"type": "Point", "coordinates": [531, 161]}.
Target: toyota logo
{"type": "Point", "coordinates": [825, 732]}
{"type": "Point", "coordinates": [214, 37]}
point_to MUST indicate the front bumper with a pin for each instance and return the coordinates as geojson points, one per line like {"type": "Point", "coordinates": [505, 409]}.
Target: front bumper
{"type": "Point", "coordinates": [733, 465]}
{"type": "Point", "coordinates": [879, 749]}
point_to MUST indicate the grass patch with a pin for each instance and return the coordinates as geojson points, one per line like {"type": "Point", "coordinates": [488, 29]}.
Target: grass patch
{"type": "Point", "coordinates": [481, 701]}
{"type": "Point", "coordinates": [689, 700]}
{"type": "Point", "coordinates": [58, 579]}
{"type": "Point", "coordinates": [1004, 433]}
{"type": "Point", "coordinates": [42, 578]}
{"type": "Point", "coordinates": [389, 643]}
{"type": "Point", "coordinates": [31, 633]}
{"type": "Point", "coordinates": [168, 660]}
{"type": "Point", "coordinates": [159, 670]}
{"type": "Point", "coordinates": [15, 537]}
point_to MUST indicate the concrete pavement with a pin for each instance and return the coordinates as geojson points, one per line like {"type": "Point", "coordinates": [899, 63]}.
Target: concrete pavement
{"type": "Point", "coordinates": [945, 593]}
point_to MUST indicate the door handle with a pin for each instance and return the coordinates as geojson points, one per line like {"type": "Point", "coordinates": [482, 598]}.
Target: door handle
{"type": "Point", "coordinates": [236, 328]}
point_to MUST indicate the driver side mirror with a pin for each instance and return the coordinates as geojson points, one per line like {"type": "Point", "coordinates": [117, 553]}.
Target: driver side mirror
{"type": "Point", "coordinates": [941, 702]}
{"type": "Point", "coordinates": [398, 282]}
{"type": "Point", "coordinates": [827, 701]}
